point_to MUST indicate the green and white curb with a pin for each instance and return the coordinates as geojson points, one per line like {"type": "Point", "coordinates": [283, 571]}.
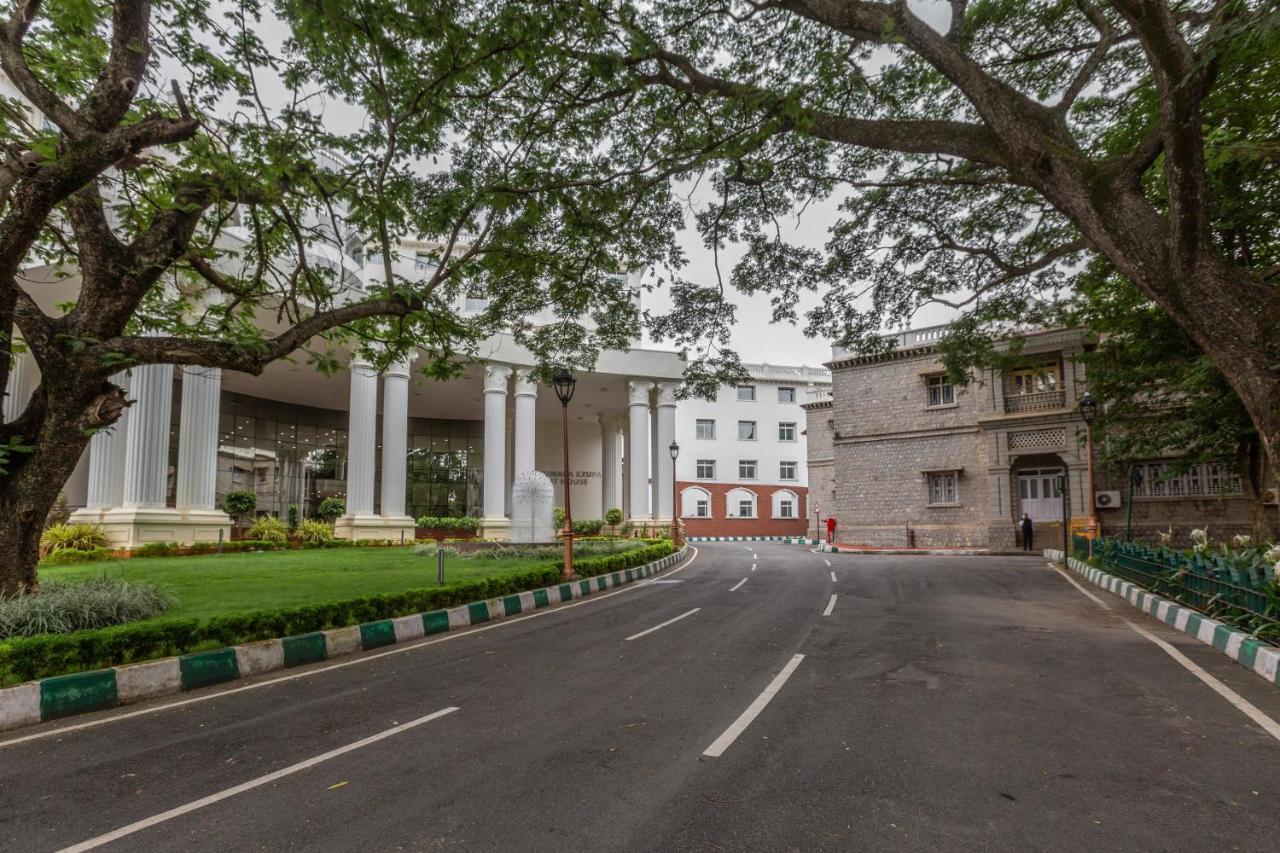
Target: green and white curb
{"type": "Point", "coordinates": [81, 692]}
{"type": "Point", "coordinates": [1261, 658]}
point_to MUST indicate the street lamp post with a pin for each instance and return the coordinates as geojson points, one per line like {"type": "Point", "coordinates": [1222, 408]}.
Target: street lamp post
{"type": "Point", "coordinates": [675, 495]}
{"type": "Point", "coordinates": [1089, 411]}
{"type": "Point", "coordinates": [1062, 494]}
{"type": "Point", "coordinates": [564, 384]}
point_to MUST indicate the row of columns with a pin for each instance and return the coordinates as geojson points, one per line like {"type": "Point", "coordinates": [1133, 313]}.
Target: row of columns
{"type": "Point", "coordinates": [360, 521]}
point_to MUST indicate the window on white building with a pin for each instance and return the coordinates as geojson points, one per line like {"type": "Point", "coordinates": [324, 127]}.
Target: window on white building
{"type": "Point", "coordinates": [746, 509]}
{"type": "Point", "coordinates": [942, 488]}
{"type": "Point", "coordinates": [746, 430]}
{"type": "Point", "coordinates": [706, 428]}
{"type": "Point", "coordinates": [424, 261]}
{"type": "Point", "coordinates": [741, 503]}
{"type": "Point", "coordinates": [747, 393]}
{"type": "Point", "coordinates": [786, 395]}
{"type": "Point", "coordinates": [475, 301]}
{"type": "Point", "coordinates": [706, 469]}
{"type": "Point", "coordinates": [787, 431]}
{"type": "Point", "coordinates": [703, 508]}
{"type": "Point", "coordinates": [787, 471]}
{"type": "Point", "coordinates": [746, 469]}
{"type": "Point", "coordinates": [786, 509]}
{"type": "Point", "coordinates": [941, 392]}
{"type": "Point", "coordinates": [785, 503]}
{"type": "Point", "coordinates": [695, 503]}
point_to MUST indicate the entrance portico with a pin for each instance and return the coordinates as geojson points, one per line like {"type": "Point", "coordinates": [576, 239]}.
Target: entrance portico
{"type": "Point", "coordinates": [404, 446]}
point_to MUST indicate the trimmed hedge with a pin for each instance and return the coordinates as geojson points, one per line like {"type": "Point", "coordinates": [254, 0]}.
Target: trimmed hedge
{"type": "Point", "coordinates": [462, 524]}
{"type": "Point", "coordinates": [29, 658]}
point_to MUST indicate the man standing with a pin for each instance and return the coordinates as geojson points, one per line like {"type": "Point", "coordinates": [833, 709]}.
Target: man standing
{"type": "Point", "coordinates": [831, 529]}
{"type": "Point", "coordinates": [1028, 532]}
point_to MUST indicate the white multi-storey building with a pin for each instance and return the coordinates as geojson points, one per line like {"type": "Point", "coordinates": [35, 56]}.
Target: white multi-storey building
{"type": "Point", "coordinates": [741, 469]}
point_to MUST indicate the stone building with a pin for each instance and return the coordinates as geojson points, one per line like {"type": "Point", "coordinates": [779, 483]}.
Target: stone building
{"type": "Point", "coordinates": [902, 457]}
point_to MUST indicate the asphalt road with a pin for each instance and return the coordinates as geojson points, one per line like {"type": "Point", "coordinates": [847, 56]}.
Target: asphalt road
{"type": "Point", "coordinates": [945, 703]}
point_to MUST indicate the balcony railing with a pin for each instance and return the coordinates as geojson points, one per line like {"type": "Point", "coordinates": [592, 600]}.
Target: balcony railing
{"type": "Point", "coordinates": [1035, 402]}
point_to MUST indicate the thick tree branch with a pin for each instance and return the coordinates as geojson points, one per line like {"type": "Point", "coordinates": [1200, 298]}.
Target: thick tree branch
{"type": "Point", "coordinates": [111, 96]}
{"type": "Point", "coordinates": [15, 66]}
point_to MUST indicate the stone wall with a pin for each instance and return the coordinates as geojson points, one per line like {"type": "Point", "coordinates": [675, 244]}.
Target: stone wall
{"type": "Point", "coordinates": [822, 493]}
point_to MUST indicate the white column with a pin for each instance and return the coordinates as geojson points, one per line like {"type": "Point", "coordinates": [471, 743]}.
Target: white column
{"type": "Point", "coordinates": [495, 449]}
{"type": "Point", "coordinates": [146, 465]}
{"type": "Point", "coordinates": [395, 438]}
{"type": "Point", "coordinates": [655, 455]}
{"type": "Point", "coordinates": [526, 393]}
{"type": "Point", "coordinates": [638, 449]}
{"type": "Point", "coordinates": [198, 438]}
{"type": "Point", "coordinates": [362, 417]}
{"type": "Point", "coordinates": [665, 468]}
{"type": "Point", "coordinates": [24, 376]}
{"type": "Point", "coordinates": [610, 464]}
{"type": "Point", "coordinates": [106, 457]}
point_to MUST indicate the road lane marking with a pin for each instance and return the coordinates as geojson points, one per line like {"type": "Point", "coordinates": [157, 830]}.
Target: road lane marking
{"type": "Point", "coordinates": [720, 744]}
{"type": "Point", "coordinates": [753, 567]}
{"type": "Point", "coordinates": [664, 624]}
{"type": "Point", "coordinates": [831, 605]}
{"type": "Point", "coordinates": [828, 562]}
{"type": "Point", "coordinates": [833, 578]}
{"type": "Point", "coordinates": [1241, 704]}
{"type": "Point", "coordinates": [399, 649]}
{"type": "Point", "coordinates": [124, 831]}
{"type": "Point", "coordinates": [734, 588]}
{"type": "Point", "coordinates": [661, 581]}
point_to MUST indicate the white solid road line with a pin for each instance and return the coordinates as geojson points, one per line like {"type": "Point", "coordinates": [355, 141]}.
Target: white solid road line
{"type": "Point", "coordinates": [734, 588]}
{"type": "Point", "coordinates": [833, 578]}
{"type": "Point", "coordinates": [831, 605]}
{"type": "Point", "coordinates": [1243, 705]}
{"type": "Point", "coordinates": [663, 625]}
{"type": "Point", "coordinates": [739, 725]}
{"type": "Point", "coordinates": [250, 785]}
{"type": "Point", "coordinates": [828, 562]}
{"type": "Point", "coordinates": [399, 649]}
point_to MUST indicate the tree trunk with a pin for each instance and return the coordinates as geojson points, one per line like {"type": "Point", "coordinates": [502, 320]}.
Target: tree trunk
{"type": "Point", "coordinates": [59, 434]}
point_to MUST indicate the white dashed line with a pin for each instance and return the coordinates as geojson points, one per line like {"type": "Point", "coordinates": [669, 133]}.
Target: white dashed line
{"type": "Point", "coordinates": [734, 588]}
{"type": "Point", "coordinates": [831, 605]}
{"type": "Point", "coordinates": [663, 625]}
{"type": "Point", "coordinates": [833, 578]}
{"type": "Point", "coordinates": [828, 562]}
{"type": "Point", "coordinates": [250, 785]}
{"type": "Point", "coordinates": [726, 740]}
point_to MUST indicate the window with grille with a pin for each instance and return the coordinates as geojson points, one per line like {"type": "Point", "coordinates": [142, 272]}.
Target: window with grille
{"type": "Point", "coordinates": [746, 469]}
{"type": "Point", "coordinates": [706, 469]}
{"type": "Point", "coordinates": [942, 488]}
{"type": "Point", "coordinates": [706, 428]}
{"type": "Point", "coordinates": [941, 392]}
{"type": "Point", "coordinates": [786, 509]}
{"type": "Point", "coordinates": [787, 431]}
{"type": "Point", "coordinates": [702, 509]}
{"type": "Point", "coordinates": [1034, 380]}
{"type": "Point", "coordinates": [1208, 479]}
{"type": "Point", "coordinates": [787, 470]}
{"type": "Point", "coordinates": [746, 509]}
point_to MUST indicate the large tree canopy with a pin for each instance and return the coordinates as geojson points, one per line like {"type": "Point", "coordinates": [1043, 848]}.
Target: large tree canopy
{"type": "Point", "coordinates": [980, 154]}
{"type": "Point", "coordinates": [183, 167]}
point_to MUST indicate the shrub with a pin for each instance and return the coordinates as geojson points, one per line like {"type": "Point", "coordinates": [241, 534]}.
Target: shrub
{"type": "Point", "coordinates": [293, 516]}
{"type": "Point", "coordinates": [463, 524]}
{"type": "Point", "coordinates": [67, 556]}
{"type": "Point", "coordinates": [331, 508]}
{"type": "Point", "coordinates": [557, 518]}
{"type": "Point", "coordinates": [269, 529]}
{"type": "Point", "coordinates": [240, 504]}
{"type": "Point", "coordinates": [61, 608]}
{"type": "Point", "coordinates": [312, 532]}
{"type": "Point", "coordinates": [78, 537]}
{"type": "Point", "coordinates": [627, 528]}
{"type": "Point", "coordinates": [613, 517]}
{"type": "Point", "coordinates": [157, 549]}
{"type": "Point", "coordinates": [588, 526]}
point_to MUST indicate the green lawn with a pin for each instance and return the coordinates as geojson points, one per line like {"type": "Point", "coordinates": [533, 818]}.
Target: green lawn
{"type": "Point", "coordinates": [235, 583]}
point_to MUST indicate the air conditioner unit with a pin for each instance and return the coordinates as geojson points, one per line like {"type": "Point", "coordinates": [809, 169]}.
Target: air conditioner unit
{"type": "Point", "coordinates": [1106, 500]}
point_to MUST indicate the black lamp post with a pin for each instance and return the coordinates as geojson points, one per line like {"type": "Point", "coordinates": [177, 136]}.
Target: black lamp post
{"type": "Point", "coordinates": [1062, 495]}
{"type": "Point", "coordinates": [675, 494]}
{"type": "Point", "coordinates": [1089, 411]}
{"type": "Point", "coordinates": [564, 384]}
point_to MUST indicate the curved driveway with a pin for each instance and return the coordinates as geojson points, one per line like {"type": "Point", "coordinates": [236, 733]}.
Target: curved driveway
{"type": "Point", "coordinates": [945, 703]}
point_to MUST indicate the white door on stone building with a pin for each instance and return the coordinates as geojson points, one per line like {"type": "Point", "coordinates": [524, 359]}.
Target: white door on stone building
{"type": "Point", "coordinates": [1039, 495]}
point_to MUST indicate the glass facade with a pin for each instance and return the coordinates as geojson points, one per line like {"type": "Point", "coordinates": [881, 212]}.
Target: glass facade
{"type": "Point", "coordinates": [291, 454]}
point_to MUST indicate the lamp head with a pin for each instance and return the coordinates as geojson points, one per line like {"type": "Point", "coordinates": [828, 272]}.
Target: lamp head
{"type": "Point", "coordinates": [1088, 408]}
{"type": "Point", "coordinates": [564, 383]}
{"type": "Point", "coordinates": [675, 451]}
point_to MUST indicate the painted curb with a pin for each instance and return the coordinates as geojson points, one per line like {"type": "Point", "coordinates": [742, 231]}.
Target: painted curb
{"type": "Point", "coordinates": [1261, 658]}
{"type": "Point", "coordinates": [790, 540]}
{"type": "Point", "coordinates": [81, 692]}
